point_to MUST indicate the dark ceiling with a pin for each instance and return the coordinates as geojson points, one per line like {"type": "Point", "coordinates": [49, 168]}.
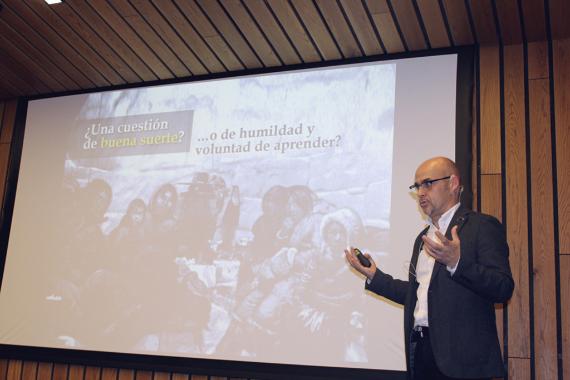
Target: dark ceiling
{"type": "Point", "coordinates": [84, 44]}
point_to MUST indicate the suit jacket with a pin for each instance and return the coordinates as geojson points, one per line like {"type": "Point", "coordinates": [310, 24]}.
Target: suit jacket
{"type": "Point", "coordinates": [461, 311]}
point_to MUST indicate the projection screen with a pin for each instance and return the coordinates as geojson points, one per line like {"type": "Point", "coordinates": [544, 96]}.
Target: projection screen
{"type": "Point", "coordinates": [208, 219]}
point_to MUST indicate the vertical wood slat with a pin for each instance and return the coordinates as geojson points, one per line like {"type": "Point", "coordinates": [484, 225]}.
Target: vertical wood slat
{"type": "Point", "coordinates": [519, 369]}
{"type": "Point", "coordinates": [76, 372]}
{"type": "Point", "coordinates": [490, 110]}
{"type": "Point", "coordinates": [143, 375]}
{"type": "Point", "coordinates": [537, 60]}
{"type": "Point", "coordinates": [92, 373]}
{"type": "Point", "coordinates": [29, 370]}
{"type": "Point", "coordinates": [542, 224]}
{"type": "Point", "coordinates": [3, 368]}
{"type": "Point", "coordinates": [161, 376]}
{"type": "Point", "coordinates": [126, 374]}
{"type": "Point", "coordinates": [109, 374]}
{"type": "Point", "coordinates": [14, 370]}
{"type": "Point", "coordinates": [60, 371]}
{"type": "Point", "coordinates": [491, 204]}
{"type": "Point", "coordinates": [2, 108]}
{"type": "Point", "coordinates": [180, 376]}
{"type": "Point", "coordinates": [7, 121]}
{"type": "Point", "coordinates": [565, 307]}
{"type": "Point", "coordinates": [561, 58]}
{"type": "Point", "coordinates": [44, 371]}
{"type": "Point", "coordinates": [517, 199]}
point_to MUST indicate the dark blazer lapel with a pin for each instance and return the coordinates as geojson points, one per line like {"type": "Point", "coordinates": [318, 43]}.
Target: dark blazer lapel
{"type": "Point", "coordinates": [458, 219]}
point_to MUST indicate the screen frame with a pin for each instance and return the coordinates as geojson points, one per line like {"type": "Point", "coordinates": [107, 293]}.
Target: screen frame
{"type": "Point", "coordinates": [216, 367]}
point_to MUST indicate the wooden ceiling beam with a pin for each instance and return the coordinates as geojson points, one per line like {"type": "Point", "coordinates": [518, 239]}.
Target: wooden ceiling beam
{"type": "Point", "coordinates": [252, 32]}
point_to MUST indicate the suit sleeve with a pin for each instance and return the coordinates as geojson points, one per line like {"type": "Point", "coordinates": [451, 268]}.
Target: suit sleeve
{"type": "Point", "coordinates": [386, 286]}
{"type": "Point", "coordinates": [484, 266]}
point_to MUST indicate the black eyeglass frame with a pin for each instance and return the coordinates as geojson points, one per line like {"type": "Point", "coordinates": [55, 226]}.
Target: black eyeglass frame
{"type": "Point", "coordinates": [427, 183]}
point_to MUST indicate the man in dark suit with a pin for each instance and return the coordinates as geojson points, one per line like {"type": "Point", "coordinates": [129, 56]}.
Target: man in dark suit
{"type": "Point", "coordinates": [458, 271]}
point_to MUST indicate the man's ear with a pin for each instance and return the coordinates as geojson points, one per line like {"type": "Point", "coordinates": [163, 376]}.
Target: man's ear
{"type": "Point", "coordinates": [455, 185]}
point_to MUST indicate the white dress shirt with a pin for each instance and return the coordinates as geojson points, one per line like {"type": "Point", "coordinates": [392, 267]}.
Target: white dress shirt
{"type": "Point", "coordinates": [424, 268]}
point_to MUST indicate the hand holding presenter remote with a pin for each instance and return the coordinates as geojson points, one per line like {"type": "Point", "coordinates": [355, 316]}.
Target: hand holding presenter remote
{"type": "Point", "coordinates": [362, 262]}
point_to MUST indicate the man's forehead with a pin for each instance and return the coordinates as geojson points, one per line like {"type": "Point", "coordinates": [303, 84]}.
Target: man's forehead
{"type": "Point", "coordinates": [429, 170]}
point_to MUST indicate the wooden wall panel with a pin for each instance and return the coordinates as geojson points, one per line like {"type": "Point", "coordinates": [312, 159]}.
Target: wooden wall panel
{"type": "Point", "coordinates": [519, 369]}
{"type": "Point", "coordinates": [521, 362]}
{"type": "Point", "coordinates": [109, 374]}
{"type": "Point", "coordinates": [7, 121]}
{"type": "Point", "coordinates": [542, 230]}
{"type": "Point", "coordinates": [44, 371]}
{"type": "Point", "coordinates": [490, 110]}
{"type": "Point", "coordinates": [60, 371]}
{"type": "Point", "coordinates": [491, 204]}
{"type": "Point", "coordinates": [517, 199]}
{"type": "Point", "coordinates": [561, 55]}
{"type": "Point", "coordinates": [161, 376]}
{"type": "Point", "coordinates": [143, 375]}
{"type": "Point", "coordinates": [92, 373]}
{"type": "Point", "coordinates": [126, 374]}
{"type": "Point", "coordinates": [76, 372]}
{"type": "Point", "coordinates": [3, 368]}
{"type": "Point", "coordinates": [29, 370]}
{"type": "Point", "coordinates": [491, 195]}
{"type": "Point", "coordinates": [565, 307]}
{"type": "Point", "coordinates": [14, 370]}
{"type": "Point", "coordinates": [180, 376]}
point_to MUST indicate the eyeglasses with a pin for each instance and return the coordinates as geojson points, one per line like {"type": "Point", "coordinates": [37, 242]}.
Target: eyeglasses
{"type": "Point", "coordinates": [426, 185]}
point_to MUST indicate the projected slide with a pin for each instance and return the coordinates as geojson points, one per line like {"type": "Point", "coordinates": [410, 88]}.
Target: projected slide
{"type": "Point", "coordinates": [208, 220]}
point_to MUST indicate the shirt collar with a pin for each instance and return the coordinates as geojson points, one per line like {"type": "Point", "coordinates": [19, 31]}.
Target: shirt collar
{"type": "Point", "coordinates": [445, 218]}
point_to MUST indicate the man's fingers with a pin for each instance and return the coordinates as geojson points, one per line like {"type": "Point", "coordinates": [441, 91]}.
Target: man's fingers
{"type": "Point", "coordinates": [431, 243]}
{"type": "Point", "coordinates": [454, 234]}
{"type": "Point", "coordinates": [442, 238]}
